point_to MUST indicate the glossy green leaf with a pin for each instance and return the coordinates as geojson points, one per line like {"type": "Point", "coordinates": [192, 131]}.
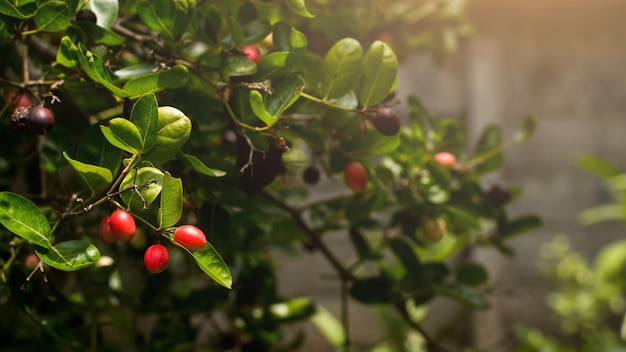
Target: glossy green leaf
{"type": "Point", "coordinates": [297, 41]}
{"type": "Point", "coordinates": [236, 30]}
{"type": "Point", "coordinates": [372, 143]}
{"type": "Point", "coordinates": [490, 139]}
{"type": "Point", "coordinates": [210, 262]}
{"type": "Point", "coordinates": [238, 65]}
{"type": "Point", "coordinates": [133, 71]}
{"type": "Point", "coordinates": [361, 245]}
{"type": "Point", "coordinates": [157, 81]}
{"type": "Point", "coordinates": [174, 129]}
{"type": "Point", "coordinates": [258, 107]}
{"type": "Point", "coordinates": [168, 17]}
{"type": "Point", "coordinates": [200, 167]}
{"type": "Point", "coordinates": [472, 274]}
{"type": "Point", "coordinates": [148, 182]}
{"type": "Point", "coordinates": [299, 7]}
{"type": "Point", "coordinates": [94, 68]}
{"type": "Point", "coordinates": [373, 290]}
{"type": "Point", "coordinates": [271, 64]}
{"type": "Point", "coordinates": [69, 255]}
{"type": "Point", "coordinates": [96, 178]}
{"type": "Point", "coordinates": [68, 53]}
{"type": "Point", "coordinates": [296, 308]}
{"type": "Point", "coordinates": [342, 67]}
{"type": "Point", "coordinates": [9, 8]}
{"type": "Point", "coordinates": [284, 94]}
{"type": "Point", "coordinates": [123, 134]}
{"type": "Point", "coordinates": [22, 217]}
{"type": "Point", "coordinates": [94, 149]}
{"type": "Point", "coordinates": [53, 16]}
{"type": "Point", "coordinates": [597, 166]}
{"type": "Point", "coordinates": [520, 225]}
{"type": "Point", "coordinates": [378, 74]}
{"type": "Point", "coordinates": [281, 32]}
{"type": "Point", "coordinates": [528, 128]}
{"type": "Point", "coordinates": [464, 294]}
{"type": "Point", "coordinates": [330, 327]}
{"type": "Point", "coordinates": [145, 115]}
{"type": "Point", "coordinates": [255, 30]}
{"type": "Point", "coordinates": [171, 201]}
{"type": "Point", "coordinates": [602, 213]}
{"type": "Point", "coordinates": [100, 35]}
{"type": "Point", "coordinates": [106, 11]}
{"type": "Point", "coordinates": [405, 254]}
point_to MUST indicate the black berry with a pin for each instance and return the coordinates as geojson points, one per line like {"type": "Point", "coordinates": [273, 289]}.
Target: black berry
{"type": "Point", "coordinates": [386, 121]}
{"type": "Point", "coordinates": [86, 15]}
{"type": "Point", "coordinates": [40, 120]}
{"type": "Point", "coordinates": [311, 175]}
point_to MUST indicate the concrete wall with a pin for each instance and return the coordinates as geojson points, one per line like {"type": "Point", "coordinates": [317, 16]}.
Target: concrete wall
{"type": "Point", "coordinates": [563, 60]}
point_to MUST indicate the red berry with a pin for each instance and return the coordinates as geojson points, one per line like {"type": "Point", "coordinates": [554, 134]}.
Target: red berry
{"type": "Point", "coordinates": [386, 121]}
{"type": "Point", "coordinates": [252, 52]}
{"type": "Point", "coordinates": [122, 225]}
{"type": "Point", "coordinates": [446, 159]}
{"type": "Point", "coordinates": [105, 230]}
{"type": "Point", "coordinates": [19, 100]}
{"type": "Point", "coordinates": [156, 258]}
{"type": "Point", "coordinates": [190, 237]}
{"type": "Point", "coordinates": [355, 176]}
{"type": "Point", "coordinates": [40, 120]}
{"type": "Point", "coordinates": [31, 261]}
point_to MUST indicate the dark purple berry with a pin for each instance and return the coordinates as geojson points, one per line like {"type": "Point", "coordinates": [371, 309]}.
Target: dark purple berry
{"type": "Point", "coordinates": [498, 196]}
{"type": "Point", "coordinates": [311, 175]}
{"type": "Point", "coordinates": [86, 15]}
{"type": "Point", "coordinates": [40, 120]}
{"type": "Point", "coordinates": [386, 121]}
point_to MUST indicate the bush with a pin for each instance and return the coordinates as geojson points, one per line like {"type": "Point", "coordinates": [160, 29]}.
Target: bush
{"type": "Point", "coordinates": [159, 110]}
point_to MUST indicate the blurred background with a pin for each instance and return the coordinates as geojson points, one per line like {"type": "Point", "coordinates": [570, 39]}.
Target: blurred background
{"type": "Point", "coordinates": [563, 61]}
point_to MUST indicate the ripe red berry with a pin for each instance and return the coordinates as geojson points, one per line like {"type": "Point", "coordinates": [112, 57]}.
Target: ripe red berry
{"type": "Point", "coordinates": [105, 230]}
{"type": "Point", "coordinates": [156, 258]}
{"type": "Point", "coordinates": [122, 225]}
{"type": "Point", "coordinates": [252, 52]}
{"type": "Point", "coordinates": [386, 121]}
{"type": "Point", "coordinates": [17, 100]}
{"type": "Point", "coordinates": [40, 120]}
{"type": "Point", "coordinates": [31, 261]}
{"type": "Point", "coordinates": [355, 176]}
{"type": "Point", "coordinates": [190, 237]}
{"type": "Point", "coordinates": [446, 159]}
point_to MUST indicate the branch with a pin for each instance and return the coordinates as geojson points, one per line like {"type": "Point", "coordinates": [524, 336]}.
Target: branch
{"type": "Point", "coordinates": [431, 344]}
{"type": "Point", "coordinates": [343, 273]}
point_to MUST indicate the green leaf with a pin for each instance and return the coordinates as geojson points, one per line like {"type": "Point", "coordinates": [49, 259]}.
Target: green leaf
{"type": "Point", "coordinates": [168, 17]}
{"type": "Point", "coordinates": [602, 213]}
{"type": "Point", "coordinates": [255, 30]}
{"type": "Point", "coordinates": [174, 129]}
{"type": "Point", "coordinates": [123, 134]}
{"type": "Point", "coordinates": [361, 245]}
{"type": "Point", "coordinates": [284, 94]}
{"type": "Point", "coordinates": [69, 255]}
{"type": "Point", "coordinates": [53, 16]}
{"type": "Point", "coordinates": [210, 262]}
{"type": "Point", "coordinates": [238, 65]}
{"type": "Point", "coordinates": [22, 217]}
{"type": "Point", "coordinates": [272, 64]}
{"type": "Point", "coordinates": [68, 53]}
{"type": "Point", "coordinates": [150, 180]}
{"type": "Point", "coordinates": [299, 7]}
{"type": "Point", "coordinates": [405, 254]}
{"type": "Point", "coordinates": [236, 30]}
{"type": "Point", "coordinates": [528, 128]}
{"type": "Point", "coordinates": [200, 167]}
{"type": "Point", "coordinates": [522, 224]}
{"type": "Point", "coordinates": [145, 115]}
{"type": "Point", "coordinates": [490, 139]}
{"type": "Point", "coordinates": [101, 35]}
{"type": "Point", "coordinates": [94, 149]}
{"type": "Point", "coordinates": [293, 309]}
{"type": "Point", "coordinates": [157, 81]}
{"type": "Point", "coordinates": [373, 143]}
{"type": "Point", "coordinates": [330, 327]}
{"type": "Point", "coordinates": [372, 290]}
{"type": "Point", "coordinates": [171, 201]}
{"type": "Point", "coordinates": [281, 33]}
{"type": "Point", "coordinates": [464, 294]}
{"type": "Point", "coordinates": [16, 11]}
{"type": "Point", "coordinates": [472, 274]}
{"type": "Point", "coordinates": [94, 68]}
{"type": "Point", "coordinates": [96, 178]}
{"type": "Point", "coordinates": [378, 74]}
{"type": "Point", "coordinates": [297, 41]}
{"type": "Point", "coordinates": [597, 166]}
{"type": "Point", "coordinates": [258, 107]}
{"type": "Point", "coordinates": [106, 11]}
{"type": "Point", "coordinates": [341, 67]}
